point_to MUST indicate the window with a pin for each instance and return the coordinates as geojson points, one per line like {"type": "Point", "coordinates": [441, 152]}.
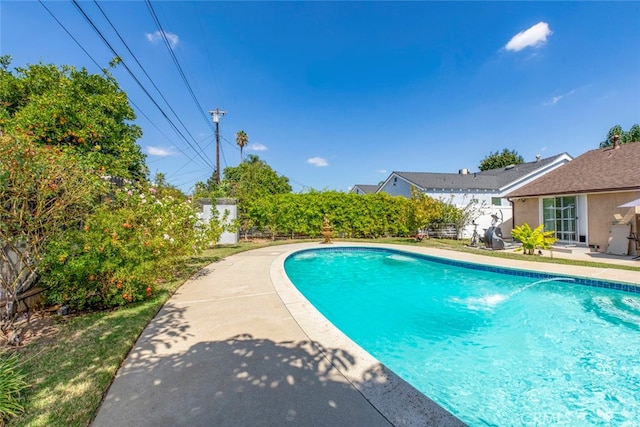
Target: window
{"type": "Point", "coordinates": [559, 214]}
{"type": "Point", "coordinates": [496, 201]}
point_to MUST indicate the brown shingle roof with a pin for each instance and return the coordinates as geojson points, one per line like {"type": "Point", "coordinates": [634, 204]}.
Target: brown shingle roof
{"type": "Point", "coordinates": [601, 170]}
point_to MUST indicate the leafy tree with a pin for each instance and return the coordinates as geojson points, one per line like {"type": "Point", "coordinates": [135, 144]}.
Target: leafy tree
{"type": "Point", "coordinates": [496, 160]}
{"type": "Point", "coordinates": [164, 188]}
{"type": "Point", "coordinates": [211, 189]}
{"type": "Point", "coordinates": [633, 135]}
{"type": "Point", "coordinates": [200, 190]}
{"type": "Point", "coordinates": [425, 209]}
{"type": "Point", "coordinates": [253, 179]}
{"type": "Point", "coordinates": [615, 130]}
{"type": "Point", "coordinates": [64, 106]}
{"type": "Point", "coordinates": [40, 197]}
{"type": "Point", "coordinates": [241, 139]}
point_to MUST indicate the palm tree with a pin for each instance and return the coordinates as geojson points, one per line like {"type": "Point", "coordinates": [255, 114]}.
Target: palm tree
{"type": "Point", "coordinates": [241, 139]}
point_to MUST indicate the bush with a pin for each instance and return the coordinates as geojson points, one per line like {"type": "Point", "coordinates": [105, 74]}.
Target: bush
{"type": "Point", "coordinates": [532, 239]}
{"type": "Point", "coordinates": [12, 384]}
{"type": "Point", "coordinates": [129, 244]}
{"type": "Point", "coordinates": [350, 215]}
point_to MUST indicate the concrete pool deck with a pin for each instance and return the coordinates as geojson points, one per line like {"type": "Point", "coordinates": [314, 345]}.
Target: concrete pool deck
{"type": "Point", "coordinates": [238, 345]}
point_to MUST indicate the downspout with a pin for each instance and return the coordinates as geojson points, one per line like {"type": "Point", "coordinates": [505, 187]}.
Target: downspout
{"type": "Point", "coordinates": [513, 215]}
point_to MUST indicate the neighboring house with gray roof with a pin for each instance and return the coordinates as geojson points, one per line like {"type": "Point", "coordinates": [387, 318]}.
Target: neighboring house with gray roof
{"type": "Point", "coordinates": [488, 187]}
{"type": "Point", "coordinates": [580, 200]}
{"type": "Point", "coordinates": [364, 189]}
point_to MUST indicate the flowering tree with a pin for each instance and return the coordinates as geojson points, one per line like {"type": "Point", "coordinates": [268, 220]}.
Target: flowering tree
{"type": "Point", "coordinates": [69, 107]}
{"type": "Point", "coordinates": [40, 197]}
{"type": "Point", "coordinates": [132, 241]}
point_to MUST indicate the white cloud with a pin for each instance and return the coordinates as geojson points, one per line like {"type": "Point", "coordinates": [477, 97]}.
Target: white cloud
{"type": "Point", "coordinates": [318, 161]}
{"type": "Point", "coordinates": [554, 100]}
{"type": "Point", "coordinates": [532, 37]}
{"type": "Point", "coordinates": [160, 151]}
{"type": "Point", "coordinates": [257, 147]}
{"type": "Point", "coordinates": [382, 171]}
{"type": "Point", "coordinates": [157, 37]}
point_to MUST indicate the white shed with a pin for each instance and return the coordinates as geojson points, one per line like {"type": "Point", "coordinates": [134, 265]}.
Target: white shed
{"type": "Point", "coordinates": [222, 208]}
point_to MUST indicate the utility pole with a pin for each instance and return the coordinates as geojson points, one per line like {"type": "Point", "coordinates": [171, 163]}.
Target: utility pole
{"type": "Point", "coordinates": [216, 119]}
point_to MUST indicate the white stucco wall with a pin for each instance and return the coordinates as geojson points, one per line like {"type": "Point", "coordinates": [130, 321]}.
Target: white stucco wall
{"type": "Point", "coordinates": [461, 198]}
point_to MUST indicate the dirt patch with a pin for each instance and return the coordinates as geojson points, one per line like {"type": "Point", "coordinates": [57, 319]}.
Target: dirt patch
{"type": "Point", "coordinates": [40, 326]}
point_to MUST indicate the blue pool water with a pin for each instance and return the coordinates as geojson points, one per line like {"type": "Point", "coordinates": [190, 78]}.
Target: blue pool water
{"type": "Point", "coordinates": [493, 349]}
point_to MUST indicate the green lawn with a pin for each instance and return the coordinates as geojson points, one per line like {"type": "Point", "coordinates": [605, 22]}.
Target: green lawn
{"type": "Point", "coordinates": [70, 369]}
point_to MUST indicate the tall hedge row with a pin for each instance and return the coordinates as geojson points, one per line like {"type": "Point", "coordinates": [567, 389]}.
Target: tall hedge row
{"type": "Point", "coordinates": [350, 215]}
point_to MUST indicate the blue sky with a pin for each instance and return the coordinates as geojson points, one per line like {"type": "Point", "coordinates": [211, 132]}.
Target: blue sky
{"type": "Point", "coordinates": [333, 94]}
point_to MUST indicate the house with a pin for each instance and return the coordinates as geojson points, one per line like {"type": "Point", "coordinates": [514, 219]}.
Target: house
{"type": "Point", "coordinates": [487, 187]}
{"type": "Point", "coordinates": [580, 200]}
{"type": "Point", "coordinates": [364, 189]}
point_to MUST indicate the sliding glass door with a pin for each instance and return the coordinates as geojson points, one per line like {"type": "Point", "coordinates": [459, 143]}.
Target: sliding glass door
{"type": "Point", "coordinates": [559, 214]}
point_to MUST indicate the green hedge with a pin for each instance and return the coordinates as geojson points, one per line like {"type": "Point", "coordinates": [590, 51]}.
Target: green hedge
{"type": "Point", "coordinates": [351, 215]}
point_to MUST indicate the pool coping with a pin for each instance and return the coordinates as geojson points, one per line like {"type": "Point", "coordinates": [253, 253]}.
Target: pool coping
{"type": "Point", "coordinates": [393, 397]}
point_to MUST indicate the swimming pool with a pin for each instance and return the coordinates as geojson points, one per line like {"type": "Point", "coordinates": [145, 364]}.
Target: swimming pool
{"type": "Point", "coordinates": [492, 348]}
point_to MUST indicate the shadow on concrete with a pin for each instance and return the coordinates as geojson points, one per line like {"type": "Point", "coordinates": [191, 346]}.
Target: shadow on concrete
{"type": "Point", "coordinates": [167, 330]}
{"type": "Point", "coordinates": [241, 381]}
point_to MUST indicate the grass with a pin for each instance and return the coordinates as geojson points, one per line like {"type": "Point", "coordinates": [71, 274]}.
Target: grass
{"type": "Point", "coordinates": [70, 371]}
{"type": "Point", "coordinates": [462, 246]}
{"type": "Point", "coordinates": [12, 384]}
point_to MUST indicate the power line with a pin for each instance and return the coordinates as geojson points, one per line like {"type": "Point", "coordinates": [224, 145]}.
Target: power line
{"type": "Point", "coordinates": [143, 70]}
{"type": "Point", "coordinates": [230, 143]}
{"type": "Point", "coordinates": [95, 28]}
{"type": "Point", "coordinates": [206, 46]}
{"type": "Point", "coordinates": [98, 65]}
{"type": "Point", "coordinates": [175, 61]}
